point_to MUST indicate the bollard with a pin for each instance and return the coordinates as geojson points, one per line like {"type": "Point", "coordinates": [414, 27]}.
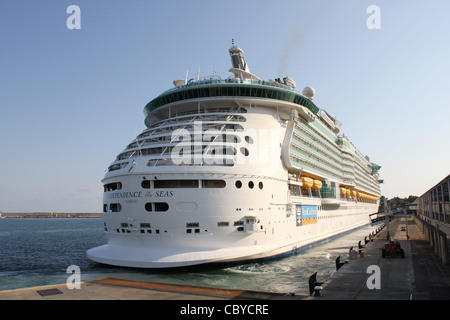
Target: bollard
{"type": "Point", "coordinates": [338, 262]}
{"type": "Point", "coordinates": [314, 286]}
{"type": "Point", "coordinates": [317, 291]}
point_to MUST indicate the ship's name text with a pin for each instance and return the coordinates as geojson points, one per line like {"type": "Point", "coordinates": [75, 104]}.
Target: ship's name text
{"type": "Point", "coordinates": [140, 194]}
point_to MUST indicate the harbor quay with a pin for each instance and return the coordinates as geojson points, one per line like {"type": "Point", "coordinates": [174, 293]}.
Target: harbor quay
{"type": "Point", "coordinates": [364, 275]}
{"type": "Point", "coordinates": [50, 215]}
{"type": "Point", "coordinates": [420, 275]}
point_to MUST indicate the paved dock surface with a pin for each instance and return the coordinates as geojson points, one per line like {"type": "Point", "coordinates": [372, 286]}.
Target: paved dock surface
{"type": "Point", "coordinates": [419, 276]}
{"type": "Point", "coordinates": [117, 289]}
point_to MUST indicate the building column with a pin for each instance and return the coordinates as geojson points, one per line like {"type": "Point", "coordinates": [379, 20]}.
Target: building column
{"type": "Point", "coordinates": [448, 197]}
{"type": "Point", "coordinates": [442, 246]}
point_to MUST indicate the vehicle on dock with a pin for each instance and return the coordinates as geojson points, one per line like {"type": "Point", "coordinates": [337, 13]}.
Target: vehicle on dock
{"type": "Point", "coordinates": [392, 249]}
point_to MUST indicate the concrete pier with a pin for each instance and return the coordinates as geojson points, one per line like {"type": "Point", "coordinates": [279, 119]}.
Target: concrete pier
{"type": "Point", "coordinates": [117, 289]}
{"type": "Point", "coordinates": [418, 276]}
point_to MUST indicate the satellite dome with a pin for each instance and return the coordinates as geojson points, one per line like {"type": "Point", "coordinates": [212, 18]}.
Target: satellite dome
{"type": "Point", "coordinates": [309, 92]}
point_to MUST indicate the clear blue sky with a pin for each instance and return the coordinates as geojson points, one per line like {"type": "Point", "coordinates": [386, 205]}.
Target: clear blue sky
{"type": "Point", "coordinates": [71, 100]}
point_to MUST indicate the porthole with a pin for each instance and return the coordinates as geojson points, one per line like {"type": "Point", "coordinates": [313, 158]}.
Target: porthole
{"type": "Point", "coordinates": [161, 206]}
{"type": "Point", "coordinates": [148, 206]}
{"type": "Point", "coordinates": [244, 151]}
{"type": "Point", "coordinates": [248, 139]}
{"type": "Point", "coordinates": [260, 185]}
{"type": "Point", "coordinates": [238, 184]}
{"type": "Point", "coordinates": [251, 184]}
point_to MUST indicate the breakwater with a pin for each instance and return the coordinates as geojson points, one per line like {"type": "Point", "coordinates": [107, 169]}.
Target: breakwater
{"type": "Point", "coordinates": [51, 215]}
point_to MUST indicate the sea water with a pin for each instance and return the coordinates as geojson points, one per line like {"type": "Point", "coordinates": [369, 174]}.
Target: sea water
{"type": "Point", "coordinates": [38, 251]}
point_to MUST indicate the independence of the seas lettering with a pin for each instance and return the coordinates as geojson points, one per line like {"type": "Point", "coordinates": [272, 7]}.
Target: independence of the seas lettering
{"type": "Point", "coordinates": [140, 194]}
{"type": "Point", "coordinates": [229, 309]}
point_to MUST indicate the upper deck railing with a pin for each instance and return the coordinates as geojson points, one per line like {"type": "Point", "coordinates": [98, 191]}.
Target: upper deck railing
{"type": "Point", "coordinates": [231, 88]}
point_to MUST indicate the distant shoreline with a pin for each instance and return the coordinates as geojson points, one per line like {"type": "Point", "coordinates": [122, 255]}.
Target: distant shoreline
{"type": "Point", "coordinates": [50, 215]}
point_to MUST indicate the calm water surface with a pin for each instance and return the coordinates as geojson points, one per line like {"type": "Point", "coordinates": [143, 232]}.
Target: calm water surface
{"type": "Point", "coordinates": [35, 252]}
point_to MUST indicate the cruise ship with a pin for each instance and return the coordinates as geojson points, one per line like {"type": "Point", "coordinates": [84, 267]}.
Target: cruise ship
{"type": "Point", "coordinates": [231, 170]}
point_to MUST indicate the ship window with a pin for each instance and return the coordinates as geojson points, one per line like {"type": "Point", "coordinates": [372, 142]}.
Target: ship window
{"type": "Point", "coordinates": [112, 186]}
{"type": "Point", "coordinates": [105, 208]}
{"type": "Point", "coordinates": [161, 206]}
{"type": "Point", "coordinates": [158, 206]}
{"type": "Point", "coordinates": [145, 184]}
{"type": "Point", "coordinates": [260, 185]}
{"type": "Point", "coordinates": [213, 184]}
{"type": "Point", "coordinates": [223, 224]}
{"type": "Point", "coordinates": [115, 207]}
{"type": "Point", "coordinates": [244, 151]}
{"type": "Point", "coordinates": [145, 225]}
{"type": "Point", "coordinates": [117, 166]}
{"type": "Point", "coordinates": [249, 139]}
{"type": "Point", "coordinates": [251, 184]}
{"type": "Point", "coordinates": [238, 184]}
{"type": "Point", "coordinates": [175, 184]}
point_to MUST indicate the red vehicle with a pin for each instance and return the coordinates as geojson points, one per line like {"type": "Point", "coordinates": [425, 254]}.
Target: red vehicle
{"type": "Point", "coordinates": [392, 249]}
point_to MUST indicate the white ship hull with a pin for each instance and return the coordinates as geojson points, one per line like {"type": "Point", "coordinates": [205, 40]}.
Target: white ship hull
{"type": "Point", "coordinates": [230, 171]}
{"type": "Point", "coordinates": [267, 232]}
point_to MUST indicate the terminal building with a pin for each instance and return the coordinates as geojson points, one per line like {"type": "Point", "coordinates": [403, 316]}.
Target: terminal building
{"type": "Point", "coordinates": [433, 215]}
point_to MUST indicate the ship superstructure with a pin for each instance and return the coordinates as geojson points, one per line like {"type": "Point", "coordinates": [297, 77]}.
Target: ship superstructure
{"type": "Point", "coordinates": [229, 170]}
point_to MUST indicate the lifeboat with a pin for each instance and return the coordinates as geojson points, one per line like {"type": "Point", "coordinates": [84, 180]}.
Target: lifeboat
{"type": "Point", "coordinates": [317, 185]}
{"type": "Point", "coordinates": [307, 182]}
